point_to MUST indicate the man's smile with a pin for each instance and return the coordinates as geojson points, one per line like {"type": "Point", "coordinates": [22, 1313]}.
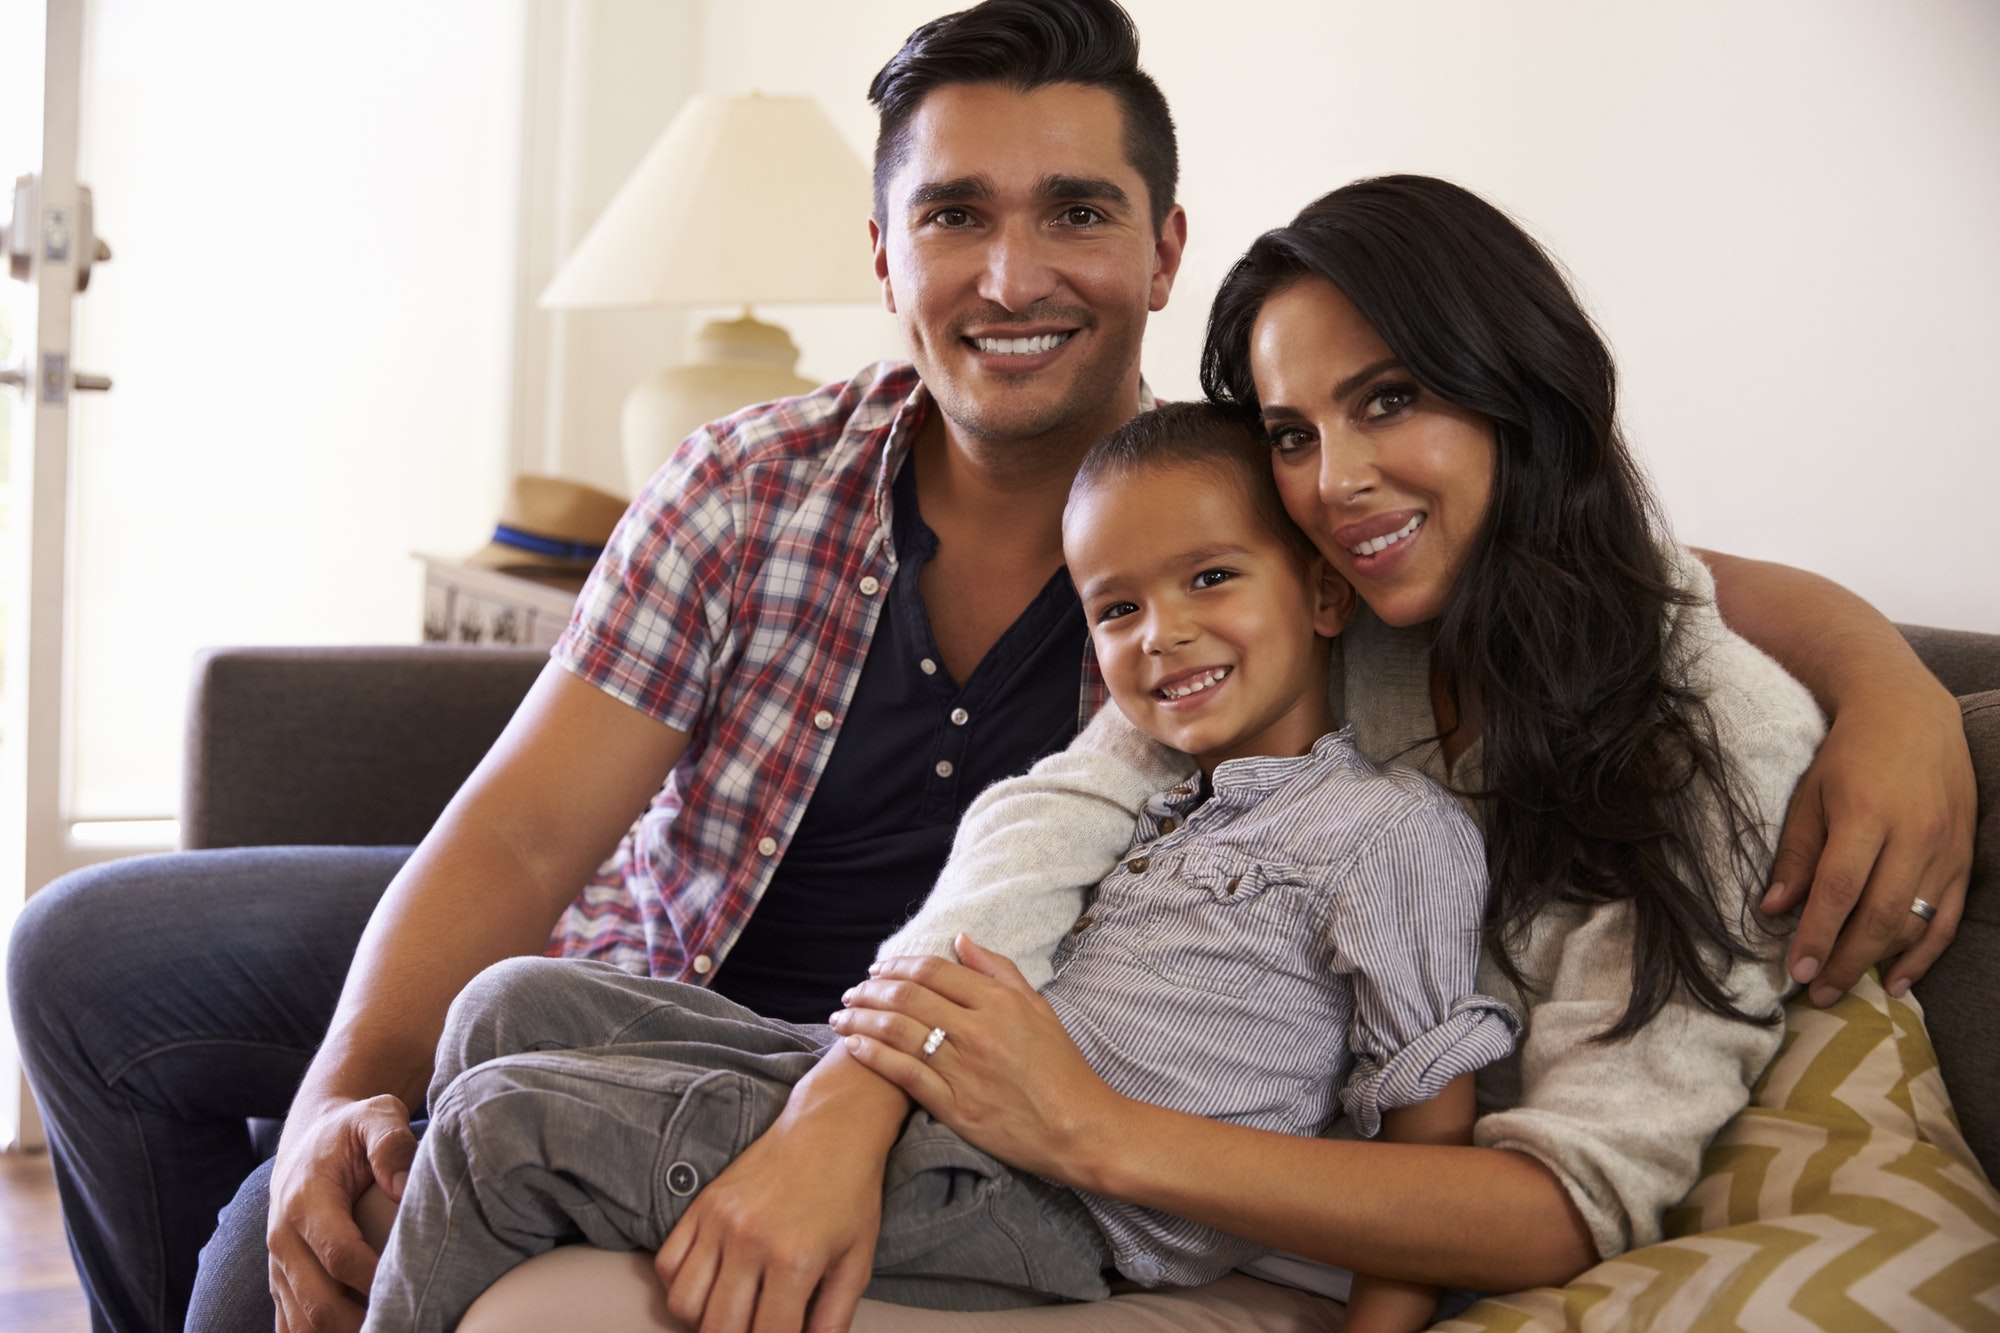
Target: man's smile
{"type": "Point", "coordinates": [1028, 346]}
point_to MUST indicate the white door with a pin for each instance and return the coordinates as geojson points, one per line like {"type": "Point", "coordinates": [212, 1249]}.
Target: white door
{"type": "Point", "coordinates": [311, 325]}
{"type": "Point", "coordinates": [51, 248]}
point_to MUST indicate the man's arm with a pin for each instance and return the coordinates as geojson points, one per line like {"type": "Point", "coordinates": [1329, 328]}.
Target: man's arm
{"type": "Point", "coordinates": [1885, 814]}
{"type": "Point", "coordinates": [549, 802]}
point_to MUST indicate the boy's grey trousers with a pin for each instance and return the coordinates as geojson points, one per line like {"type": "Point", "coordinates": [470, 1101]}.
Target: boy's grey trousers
{"type": "Point", "coordinates": [573, 1101]}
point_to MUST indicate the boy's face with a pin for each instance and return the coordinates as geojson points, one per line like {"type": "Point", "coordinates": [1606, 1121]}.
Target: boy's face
{"type": "Point", "coordinates": [1210, 629]}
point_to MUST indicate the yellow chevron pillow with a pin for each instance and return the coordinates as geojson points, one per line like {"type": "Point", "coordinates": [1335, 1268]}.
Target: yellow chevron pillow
{"type": "Point", "coordinates": [1842, 1199]}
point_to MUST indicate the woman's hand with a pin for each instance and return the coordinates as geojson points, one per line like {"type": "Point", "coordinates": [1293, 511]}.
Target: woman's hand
{"type": "Point", "coordinates": [1883, 817]}
{"type": "Point", "coordinates": [1006, 1078]}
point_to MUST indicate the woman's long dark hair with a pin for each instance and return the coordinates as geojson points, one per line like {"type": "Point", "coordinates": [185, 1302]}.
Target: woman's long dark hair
{"type": "Point", "coordinates": [1603, 780]}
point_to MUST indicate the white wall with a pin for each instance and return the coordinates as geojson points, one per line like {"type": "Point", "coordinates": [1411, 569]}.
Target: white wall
{"type": "Point", "coordinates": [1784, 213]}
{"type": "Point", "coordinates": [603, 79]}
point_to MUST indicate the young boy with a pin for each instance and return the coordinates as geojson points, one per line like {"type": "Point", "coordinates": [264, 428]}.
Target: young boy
{"type": "Point", "coordinates": [1293, 934]}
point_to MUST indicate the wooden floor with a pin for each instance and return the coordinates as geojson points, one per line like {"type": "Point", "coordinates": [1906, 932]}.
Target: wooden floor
{"type": "Point", "coordinates": [38, 1287]}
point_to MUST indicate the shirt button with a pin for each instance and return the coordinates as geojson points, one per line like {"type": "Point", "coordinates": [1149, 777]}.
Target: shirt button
{"type": "Point", "coordinates": [959, 717]}
{"type": "Point", "coordinates": [682, 1179]}
{"type": "Point", "coordinates": [944, 768]}
{"type": "Point", "coordinates": [870, 586]}
{"type": "Point", "coordinates": [767, 846]}
{"type": "Point", "coordinates": [1082, 924]}
{"type": "Point", "coordinates": [703, 964]}
{"type": "Point", "coordinates": [1138, 864]}
{"type": "Point", "coordinates": [822, 719]}
{"type": "Point", "coordinates": [928, 667]}
{"type": "Point", "coordinates": [1167, 826]}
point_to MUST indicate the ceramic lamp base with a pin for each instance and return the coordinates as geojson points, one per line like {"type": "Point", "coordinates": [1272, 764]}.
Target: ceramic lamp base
{"type": "Point", "coordinates": [736, 363]}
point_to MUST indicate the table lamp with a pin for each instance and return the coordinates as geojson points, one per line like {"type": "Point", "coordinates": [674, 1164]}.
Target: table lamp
{"type": "Point", "coordinates": [741, 201]}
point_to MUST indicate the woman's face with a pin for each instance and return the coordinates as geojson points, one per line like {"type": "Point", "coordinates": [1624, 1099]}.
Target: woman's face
{"type": "Point", "coordinates": [1389, 480]}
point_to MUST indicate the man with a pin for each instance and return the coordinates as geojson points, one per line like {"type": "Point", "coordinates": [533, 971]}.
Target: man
{"type": "Point", "coordinates": [812, 640]}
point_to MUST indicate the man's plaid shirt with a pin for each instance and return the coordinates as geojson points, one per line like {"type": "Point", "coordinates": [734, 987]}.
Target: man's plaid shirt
{"type": "Point", "coordinates": [736, 602]}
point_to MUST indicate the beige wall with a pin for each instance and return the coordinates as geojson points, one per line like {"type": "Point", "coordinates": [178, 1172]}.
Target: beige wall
{"type": "Point", "coordinates": [1783, 212]}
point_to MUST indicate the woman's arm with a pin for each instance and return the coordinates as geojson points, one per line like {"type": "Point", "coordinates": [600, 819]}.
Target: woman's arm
{"type": "Point", "coordinates": [1011, 1081]}
{"type": "Point", "coordinates": [1885, 814]}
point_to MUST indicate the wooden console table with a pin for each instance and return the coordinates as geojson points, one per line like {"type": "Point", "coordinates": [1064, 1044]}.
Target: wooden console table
{"type": "Point", "coordinates": [464, 604]}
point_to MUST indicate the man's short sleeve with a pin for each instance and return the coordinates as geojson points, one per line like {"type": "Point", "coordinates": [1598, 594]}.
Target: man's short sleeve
{"type": "Point", "coordinates": [651, 619]}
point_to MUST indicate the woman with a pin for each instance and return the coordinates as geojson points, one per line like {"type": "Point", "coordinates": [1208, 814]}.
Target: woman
{"type": "Point", "coordinates": [1440, 412]}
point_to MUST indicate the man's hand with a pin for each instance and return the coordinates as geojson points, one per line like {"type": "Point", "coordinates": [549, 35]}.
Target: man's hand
{"type": "Point", "coordinates": [1883, 817]}
{"type": "Point", "coordinates": [796, 1213]}
{"type": "Point", "coordinates": [321, 1268]}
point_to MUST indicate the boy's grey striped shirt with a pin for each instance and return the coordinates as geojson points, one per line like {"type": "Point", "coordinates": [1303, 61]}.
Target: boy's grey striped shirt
{"type": "Point", "coordinates": [1302, 942]}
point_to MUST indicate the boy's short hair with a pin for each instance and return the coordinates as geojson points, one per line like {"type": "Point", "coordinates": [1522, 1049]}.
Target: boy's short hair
{"type": "Point", "coordinates": [1222, 440]}
{"type": "Point", "coordinates": [1025, 45]}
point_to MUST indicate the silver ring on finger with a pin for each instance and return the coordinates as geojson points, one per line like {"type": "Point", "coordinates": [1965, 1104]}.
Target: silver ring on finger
{"type": "Point", "coordinates": [1928, 911]}
{"type": "Point", "coordinates": [932, 1042]}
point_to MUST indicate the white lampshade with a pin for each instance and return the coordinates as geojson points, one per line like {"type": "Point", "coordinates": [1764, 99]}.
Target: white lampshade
{"type": "Point", "coordinates": [742, 201]}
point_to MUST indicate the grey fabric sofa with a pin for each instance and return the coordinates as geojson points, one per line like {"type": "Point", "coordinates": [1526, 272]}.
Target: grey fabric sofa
{"type": "Point", "coordinates": [362, 746]}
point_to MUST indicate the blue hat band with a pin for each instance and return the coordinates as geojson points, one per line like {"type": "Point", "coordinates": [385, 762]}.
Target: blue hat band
{"type": "Point", "coordinates": [549, 546]}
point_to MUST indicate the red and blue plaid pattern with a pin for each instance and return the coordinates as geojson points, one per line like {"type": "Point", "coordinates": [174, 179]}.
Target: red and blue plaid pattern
{"type": "Point", "coordinates": [736, 602]}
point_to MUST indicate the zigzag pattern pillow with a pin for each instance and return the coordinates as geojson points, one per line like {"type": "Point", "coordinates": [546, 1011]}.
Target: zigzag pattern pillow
{"type": "Point", "coordinates": [1842, 1200]}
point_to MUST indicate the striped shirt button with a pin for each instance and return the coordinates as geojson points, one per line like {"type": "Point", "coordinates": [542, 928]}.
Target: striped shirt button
{"type": "Point", "coordinates": [1167, 826]}
{"type": "Point", "coordinates": [767, 846]}
{"type": "Point", "coordinates": [1138, 865]}
{"type": "Point", "coordinates": [870, 586]}
{"type": "Point", "coordinates": [822, 719]}
{"type": "Point", "coordinates": [703, 964]}
{"type": "Point", "coordinates": [1082, 924]}
{"type": "Point", "coordinates": [944, 768]}
{"type": "Point", "coordinates": [959, 717]}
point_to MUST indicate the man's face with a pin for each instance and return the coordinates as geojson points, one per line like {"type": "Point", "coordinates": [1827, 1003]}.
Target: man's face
{"type": "Point", "coordinates": [1019, 257]}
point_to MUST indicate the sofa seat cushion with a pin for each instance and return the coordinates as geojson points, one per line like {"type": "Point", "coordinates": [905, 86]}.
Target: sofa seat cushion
{"type": "Point", "coordinates": [1843, 1198]}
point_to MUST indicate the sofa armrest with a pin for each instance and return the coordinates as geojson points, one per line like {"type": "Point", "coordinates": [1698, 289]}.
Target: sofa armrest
{"type": "Point", "coordinates": [352, 746]}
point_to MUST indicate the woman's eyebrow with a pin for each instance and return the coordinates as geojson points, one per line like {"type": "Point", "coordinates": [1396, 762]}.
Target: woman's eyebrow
{"type": "Point", "coordinates": [1346, 387]}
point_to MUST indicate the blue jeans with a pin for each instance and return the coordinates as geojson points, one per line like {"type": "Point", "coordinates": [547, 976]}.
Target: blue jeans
{"type": "Point", "coordinates": [160, 1002]}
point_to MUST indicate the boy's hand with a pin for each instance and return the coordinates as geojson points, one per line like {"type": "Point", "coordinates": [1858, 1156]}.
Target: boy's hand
{"type": "Point", "coordinates": [787, 1229]}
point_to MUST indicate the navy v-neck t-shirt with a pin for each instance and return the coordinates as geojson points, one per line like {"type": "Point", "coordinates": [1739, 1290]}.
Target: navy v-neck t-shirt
{"type": "Point", "coordinates": [915, 749]}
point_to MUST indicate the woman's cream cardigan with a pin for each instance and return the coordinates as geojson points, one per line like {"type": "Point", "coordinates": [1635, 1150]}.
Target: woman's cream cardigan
{"type": "Point", "coordinates": [1622, 1125]}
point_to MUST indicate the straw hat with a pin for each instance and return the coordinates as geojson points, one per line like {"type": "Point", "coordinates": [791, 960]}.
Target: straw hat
{"type": "Point", "coordinates": [549, 525]}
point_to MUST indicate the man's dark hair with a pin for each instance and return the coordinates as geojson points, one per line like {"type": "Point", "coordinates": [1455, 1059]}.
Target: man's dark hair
{"type": "Point", "coordinates": [1218, 440]}
{"type": "Point", "coordinates": [1025, 45]}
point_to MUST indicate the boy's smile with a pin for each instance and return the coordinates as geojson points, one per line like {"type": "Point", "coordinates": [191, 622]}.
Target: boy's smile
{"type": "Point", "coordinates": [1208, 627]}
